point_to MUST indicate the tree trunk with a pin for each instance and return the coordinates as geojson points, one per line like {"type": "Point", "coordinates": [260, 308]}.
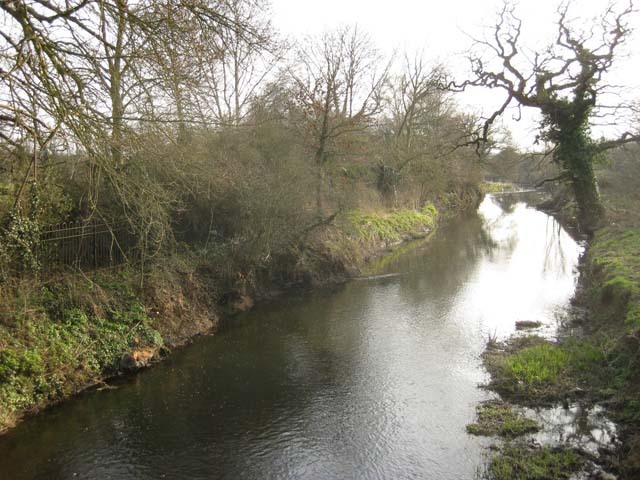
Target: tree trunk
{"type": "Point", "coordinates": [577, 158]}
{"type": "Point", "coordinates": [116, 123]}
{"type": "Point", "coordinates": [585, 188]}
{"type": "Point", "coordinates": [319, 190]}
{"type": "Point", "coordinates": [115, 55]}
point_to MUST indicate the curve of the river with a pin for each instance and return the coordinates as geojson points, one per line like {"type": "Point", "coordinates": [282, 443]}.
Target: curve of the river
{"type": "Point", "coordinates": [373, 379]}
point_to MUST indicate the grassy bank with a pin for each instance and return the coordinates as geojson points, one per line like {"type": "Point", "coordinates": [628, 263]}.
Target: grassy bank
{"type": "Point", "coordinates": [60, 335]}
{"type": "Point", "coordinates": [612, 298]}
{"type": "Point", "coordinates": [517, 461]}
{"type": "Point", "coordinates": [357, 236]}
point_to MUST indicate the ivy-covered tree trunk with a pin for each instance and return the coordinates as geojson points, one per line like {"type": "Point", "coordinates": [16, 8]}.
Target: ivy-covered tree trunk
{"type": "Point", "coordinates": [585, 189]}
{"type": "Point", "coordinates": [576, 155]}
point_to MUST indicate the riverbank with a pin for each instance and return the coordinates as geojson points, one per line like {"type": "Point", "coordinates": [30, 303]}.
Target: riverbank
{"type": "Point", "coordinates": [64, 334]}
{"type": "Point", "coordinates": [592, 364]}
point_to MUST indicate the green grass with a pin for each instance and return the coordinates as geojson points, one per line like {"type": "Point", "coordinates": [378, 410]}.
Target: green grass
{"type": "Point", "coordinates": [55, 345]}
{"type": "Point", "coordinates": [615, 256]}
{"type": "Point", "coordinates": [389, 227]}
{"type": "Point", "coordinates": [496, 418]}
{"type": "Point", "coordinates": [359, 236]}
{"type": "Point", "coordinates": [517, 462]}
{"type": "Point", "coordinates": [618, 253]}
{"type": "Point", "coordinates": [536, 371]}
{"type": "Point", "coordinates": [538, 365]}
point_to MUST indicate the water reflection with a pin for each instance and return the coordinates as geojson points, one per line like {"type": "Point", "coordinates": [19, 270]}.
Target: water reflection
{"type": "Point", "coordinates": [373, 379]}
{"type": "Point", "coordinates": [580, 426]}
{"type": "Point", "coordinates": [531, 274]}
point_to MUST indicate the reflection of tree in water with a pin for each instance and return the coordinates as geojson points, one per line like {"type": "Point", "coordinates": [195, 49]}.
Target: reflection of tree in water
{"type": "Point", "coordinates": [581, 427]}
{"type": "Point", "coordinates": [478, 240]}
{"type": "Point", "coordinates": [447, 261]}
{"type": "Point", "coordinates": [507, 202]}
{"type": "Point", "coordinates": [554, 255]}
{"type": "Point", "coordinates": [507, 245]}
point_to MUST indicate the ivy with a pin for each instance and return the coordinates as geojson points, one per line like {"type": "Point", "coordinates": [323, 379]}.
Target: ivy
{"type": "Point", "coordinates": [20, 239]}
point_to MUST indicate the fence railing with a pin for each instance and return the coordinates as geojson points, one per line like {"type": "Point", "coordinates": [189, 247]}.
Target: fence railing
{"type": "Point", "coordinates": [85, 244]}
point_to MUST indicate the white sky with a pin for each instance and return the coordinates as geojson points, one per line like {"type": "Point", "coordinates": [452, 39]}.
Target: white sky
{"type": "Point", "coordinates": [442, 29]}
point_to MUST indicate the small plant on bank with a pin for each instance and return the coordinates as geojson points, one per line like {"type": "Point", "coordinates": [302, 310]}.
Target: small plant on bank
{"type": "Point", "coordinates": [537, 366]}
{"type": "Point", "coordinates": [534, 371]}
{"type": "Point", "coordinates": [497, 418]}
{"type": "Point", "coordinates": [492, 341]}
{"type": "Point", "coordinates": [524, 463]}
{"type": "Point", "coordinates": [531, 372]}
{"type": "Point", "coordinates": [62, 343]}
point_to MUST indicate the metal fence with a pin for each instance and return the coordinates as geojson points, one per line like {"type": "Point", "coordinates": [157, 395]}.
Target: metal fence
{"type": "Point", "coordinates": [85, 244]}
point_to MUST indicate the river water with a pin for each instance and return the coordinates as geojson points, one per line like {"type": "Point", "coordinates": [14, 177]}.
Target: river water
{"type": "Point", "coordinates": [376, 378]}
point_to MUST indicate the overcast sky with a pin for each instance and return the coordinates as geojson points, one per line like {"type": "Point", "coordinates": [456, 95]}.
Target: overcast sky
{"type": "Point", "coordinates": [443, 30]}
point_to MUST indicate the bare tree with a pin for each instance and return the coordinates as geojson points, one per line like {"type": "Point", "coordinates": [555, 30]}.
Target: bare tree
{"type": "Point", "coordinates": [417, 108]}
{"type": "Point", "coordinates": [233, 80]}
{"type": "Point", "coordinates": [338, 82]}
{"type": "Point", "coordinates": [564, 82]}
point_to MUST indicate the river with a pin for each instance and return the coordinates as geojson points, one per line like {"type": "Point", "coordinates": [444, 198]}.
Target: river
{"type": "Point", "coordinates": [375, 378]}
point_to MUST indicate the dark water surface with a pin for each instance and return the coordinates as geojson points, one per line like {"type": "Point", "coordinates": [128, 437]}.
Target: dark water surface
{"type": "Point", "coordinates": [374, 379]}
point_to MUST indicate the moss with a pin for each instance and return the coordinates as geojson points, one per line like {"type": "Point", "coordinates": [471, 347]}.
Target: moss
{"type": "Point", "coordinates": [522, 463]}
{"type": "Point", "coordinates": [496, 418]}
